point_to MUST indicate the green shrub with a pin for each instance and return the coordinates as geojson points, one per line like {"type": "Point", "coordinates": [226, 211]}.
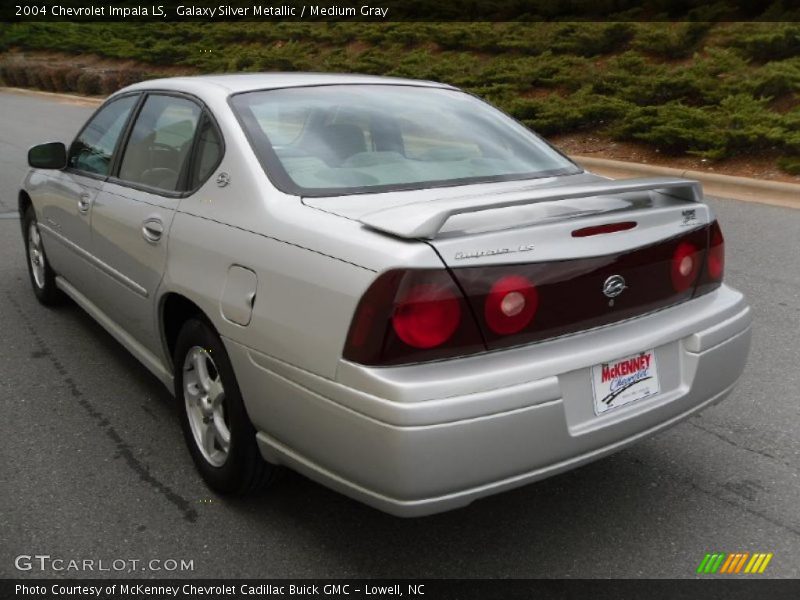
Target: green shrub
{"type": "Point", "coordinates": [674, 128]}
{"type": "Point", "coordinates": [591, 39]}
{"type": "Point", "coordinates": [19, 75]}
{"type": "Point", "coordinates": [71, 78]}
{"type": "Point", "coordinates": [790, 164]}
{"type": "Point", "coordinates": [58, 79]}
{"type": "Point", "coordinates": [748, 125]}
{"type": "Point", "coordinates": [791, 126]}
{"type": "Point", "coordinates": [129, 77]}
{"type": "Point", "coordinates": [767, 41]}
{"type": "Point", "coordinates": [555, 114]}
{"type": "Point", "coordinates": [740, 124]}
{"type": "Point", "coordinates": [109, 83]}
{"type": "Point", "coordinates": [44, 79]}
{"type": "Point", "coordinates": [777, 78]}
{"type": "Point", "coordinates": [672, 41]}
{"type": "Point", "coordinates": [89, 84]}
{"type": "Point", "coordinates": [558, 71]}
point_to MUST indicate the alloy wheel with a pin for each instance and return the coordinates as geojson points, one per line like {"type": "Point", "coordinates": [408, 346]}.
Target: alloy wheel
{"type": "Point", "coordinates": [204, 395]}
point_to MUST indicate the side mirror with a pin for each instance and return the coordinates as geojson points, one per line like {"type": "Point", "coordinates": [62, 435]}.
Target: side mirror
{"type": "Point", "coordinates": [52, 155]}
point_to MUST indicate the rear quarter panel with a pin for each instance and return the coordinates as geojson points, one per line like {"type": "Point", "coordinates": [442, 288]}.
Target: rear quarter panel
{"type": "Point", "coordinates": [304, 299]}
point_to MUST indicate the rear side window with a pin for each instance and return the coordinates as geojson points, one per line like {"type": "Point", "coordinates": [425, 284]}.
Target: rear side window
{"type": "Point", "coordinates": [91, 151]}
{"type": "Point", "coordinates": [209, 153]}
{"type": "Point", "coordinates": [160, 142]}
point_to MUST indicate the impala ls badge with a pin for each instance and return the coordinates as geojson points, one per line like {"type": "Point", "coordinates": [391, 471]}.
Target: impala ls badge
{"type": "Point", "coordinates": [613, 287]}
{"type": "Point", "coordinates": [492, 252]}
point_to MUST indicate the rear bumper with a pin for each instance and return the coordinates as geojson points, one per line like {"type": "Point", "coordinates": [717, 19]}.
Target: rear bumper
{"type": "Point", "coordinates": [421, 439]}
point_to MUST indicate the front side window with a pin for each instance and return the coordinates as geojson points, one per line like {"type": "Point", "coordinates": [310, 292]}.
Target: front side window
{"type": "Point", "coordinates": [160, 142]}
{"type": "Point", "coordinates": [91, 151]}
{"type": "Point", "coordinates": [342, 139]}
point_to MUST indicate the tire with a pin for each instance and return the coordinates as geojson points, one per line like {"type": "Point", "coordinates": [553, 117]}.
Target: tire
{"type": "Point", "coordinates": [43, 278]}
{"type": "Point", "coordinates": [220, 437]}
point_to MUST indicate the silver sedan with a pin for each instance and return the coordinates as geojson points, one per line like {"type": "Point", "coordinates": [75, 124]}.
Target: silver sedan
{"type": "Point", "coordinates": [387, 285]}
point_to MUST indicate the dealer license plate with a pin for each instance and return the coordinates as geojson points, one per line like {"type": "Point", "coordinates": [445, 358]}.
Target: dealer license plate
{"type": "Point", "coordinates": [624, 380]}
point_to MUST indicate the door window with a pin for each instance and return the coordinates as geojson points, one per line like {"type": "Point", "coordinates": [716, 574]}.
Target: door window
{"type": "Point", "coordinates": [91, 151]}
{"type": "Point", "coordinates": [160, 142]}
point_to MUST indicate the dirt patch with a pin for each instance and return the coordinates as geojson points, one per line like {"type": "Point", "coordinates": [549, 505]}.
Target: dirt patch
{"type": "Point", "coordinates": [538, 92]}
{"type": "Point", "coordinates": [357, 47]}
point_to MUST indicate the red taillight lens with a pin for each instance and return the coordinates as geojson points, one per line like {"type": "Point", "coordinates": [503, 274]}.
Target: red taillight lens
{"type": "Point", "coordinates": [685, 266]}
{"type": "Point", "coordinates": [510, 305]}
{"type": "Point", "coordinates": [410, 316]}
{"type": "Point", "coordinates": [427, 315]}
{"type": "Point", "coordinates": [716, 252]}
{"type": "Point", "coordinates": [714, 269]}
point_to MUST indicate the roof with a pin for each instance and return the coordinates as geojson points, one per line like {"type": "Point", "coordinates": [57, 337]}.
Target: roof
{"type": "Point", "coordinates": [242, 82]}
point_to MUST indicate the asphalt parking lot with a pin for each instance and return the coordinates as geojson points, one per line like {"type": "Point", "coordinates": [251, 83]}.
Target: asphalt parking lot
{"type": "Point", "coordinates": [93, 466]}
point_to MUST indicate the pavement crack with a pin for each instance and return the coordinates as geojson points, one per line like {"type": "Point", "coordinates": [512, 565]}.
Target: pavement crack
{"type": "Point", "coordinates": [749, 489]}
{"type": "Point", "coordinates": [736, 444]}
{"type": "Point", "coordinates": [757, 513]}
{"type": "Point", "coordinates": [123, 449]}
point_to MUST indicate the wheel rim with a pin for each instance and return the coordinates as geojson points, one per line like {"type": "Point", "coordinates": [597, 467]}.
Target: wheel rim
{"type": "Point", "coordinates": [205, 406]}
{"type": "Point", "coordinates": [36, 255]}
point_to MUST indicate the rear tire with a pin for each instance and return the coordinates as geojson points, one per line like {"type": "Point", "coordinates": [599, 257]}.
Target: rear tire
{"type": "Point", "coordinates": [43, 278]}
{"type": "Point", "coordinates": [220, 437]}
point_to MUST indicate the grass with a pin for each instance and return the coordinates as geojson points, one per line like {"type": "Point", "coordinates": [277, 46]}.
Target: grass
{"type": "Point", "coordinates": [713, 90]}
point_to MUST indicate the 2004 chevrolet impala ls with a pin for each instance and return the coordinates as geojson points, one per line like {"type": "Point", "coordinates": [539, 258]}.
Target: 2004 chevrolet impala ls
{"type": "Point", "coordinates": [385, 284]}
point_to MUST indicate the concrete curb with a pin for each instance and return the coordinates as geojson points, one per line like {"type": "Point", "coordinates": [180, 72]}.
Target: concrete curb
{"type": "Point", "coordinates": [71, 98]}
{"type": "Point", "coordinates": [777, 193]}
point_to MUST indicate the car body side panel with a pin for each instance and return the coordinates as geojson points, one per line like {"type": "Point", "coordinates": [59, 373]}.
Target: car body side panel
{"type": "Point", "coordinates": [127, 288]}
{"type": "Point", "coordinates": [66, 231]}
{"type": "Point", "coordinates": [304, 300]}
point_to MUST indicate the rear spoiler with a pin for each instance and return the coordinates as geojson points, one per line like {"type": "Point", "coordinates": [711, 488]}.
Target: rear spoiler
{"type": "Point", "coordinates": [425, 219]}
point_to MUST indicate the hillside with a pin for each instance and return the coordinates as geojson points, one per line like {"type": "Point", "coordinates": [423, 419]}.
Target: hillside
{"type": "Point", "coordinates": [725, 91]}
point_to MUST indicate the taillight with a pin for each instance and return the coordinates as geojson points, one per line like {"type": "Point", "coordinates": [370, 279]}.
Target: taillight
{"type": "Point", "coordinates": [510, 304]}
{"type": "Point", "coordinates": [685, 266]}
{"type": "Point", "coordinates": [711, 277]}
{"type": "Point", "coordinates": [415, 315]}
{"type": "Point", "coordinates": [409, 316]}
{"type": "Point", "coordinates": [716, 252]}
{"type": "Point", "coordinates": [427, 315]}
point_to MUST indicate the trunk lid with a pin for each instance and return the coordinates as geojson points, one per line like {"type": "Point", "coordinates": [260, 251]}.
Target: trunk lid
{"type": "Point", "coordinates": [541, 262]}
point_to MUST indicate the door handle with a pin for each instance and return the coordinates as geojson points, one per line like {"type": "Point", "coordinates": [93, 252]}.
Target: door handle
{"type": "Point", "coordinates": [84, 203]}
{"type": "Point", "coordinates": [152, 230]}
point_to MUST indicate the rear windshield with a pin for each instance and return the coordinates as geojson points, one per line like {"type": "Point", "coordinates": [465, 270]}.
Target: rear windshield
{"type": "Point", "coordinates": [347, 139]}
